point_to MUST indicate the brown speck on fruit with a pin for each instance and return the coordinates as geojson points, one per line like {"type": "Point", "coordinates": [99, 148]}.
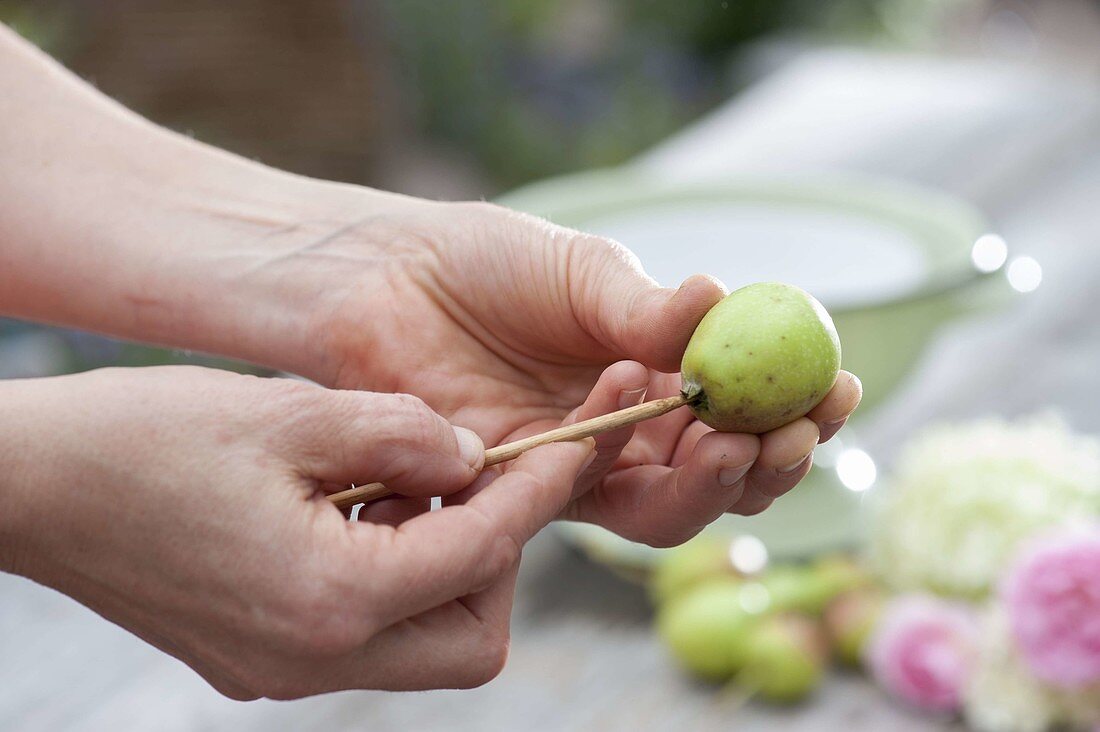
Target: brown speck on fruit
{"type": "Point", "coordinates": [771, 379]}
{"type": "Point", "coordinates": [750, 353]}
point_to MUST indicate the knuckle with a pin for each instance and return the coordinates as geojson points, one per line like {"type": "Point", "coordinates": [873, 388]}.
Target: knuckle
{"type": "Point", "coordinates": [667, 538]}
{"type": "Point", "coordinates": [487, 660]}
{"type": "Point", "coordinates": [484, 209]}
{"type": "Point", "coordinates": [279, 687]}
{"type": "Point", "coordinates": [226, 686]}
{"type": "Point", "coordinates": [503, 554]}
{"type": "Point", "coordinates": [603, 249]}
{"type": "Point", "coordinates": [288, 397]}
{"type": "Point", "coordinates": [753, 508]}
{"type": "Point", "coordinates": [414, 425]}
{"type": "Point", "coordinates": [499, 550]}
{"type": "Point", "coordinates": [289, 388]}
{"type": "Point", "coordinates": [287, 684]}
{"type": "Point", "coordinates": [319, 624]}
{"type": "Point", "coordinates": [236, 693]}
{"type": "Point", "coordinates": [255, 678]}
{"type": "Point", "coordinates": [414, 407]}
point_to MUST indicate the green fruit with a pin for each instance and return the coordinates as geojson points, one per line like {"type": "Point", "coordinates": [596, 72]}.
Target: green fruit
{"type": "Point", "coordinates": [685, 566]}
{"type": "Point", "coordinates": [764, 356]}
{"type": "Point", "coordinates": [794, 588]}
{"type": "Point", "coordinates": [840, 573]}
{"type": "Point", "coordinates": [809, 588]}
{"type": "Point", "coordinates": [708, 630]}
{"type": "Point", "coordinates": [849, 620]}
{"type": "Point", "coordinates": [786, 659]}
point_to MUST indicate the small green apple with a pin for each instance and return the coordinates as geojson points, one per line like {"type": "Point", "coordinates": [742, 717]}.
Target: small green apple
{"type": "Point", "coordinates": [808, 588]}
{"type": "Point", "coordinates": [708, 629]}
{"type": "Point", "coordinates": [762, 357]}
{"type": "Point", "coordinates": [792, 588]}
{"type": "Point", "coordinates": [678, 569]}
{"type": "Point", "coordinates": [786, 659]}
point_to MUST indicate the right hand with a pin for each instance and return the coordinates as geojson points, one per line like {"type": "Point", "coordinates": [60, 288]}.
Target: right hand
{"type": "Point", "coordinates": [187, 506]}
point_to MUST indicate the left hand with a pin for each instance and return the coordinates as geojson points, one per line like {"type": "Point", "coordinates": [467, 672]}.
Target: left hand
{"type": "Point", "coordinates": [503, 323]}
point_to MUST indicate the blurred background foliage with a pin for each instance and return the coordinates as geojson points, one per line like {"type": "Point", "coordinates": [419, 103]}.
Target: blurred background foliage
{"type": "Point", "coordinates": [464, 98]}
{"type": "Point", "coordinates": [540, 87]}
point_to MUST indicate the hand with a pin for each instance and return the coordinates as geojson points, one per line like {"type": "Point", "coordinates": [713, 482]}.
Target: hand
{"type": "Point", "coordinates": [184, 504]}
{"type": "Point", "coordinates": [504, 323]}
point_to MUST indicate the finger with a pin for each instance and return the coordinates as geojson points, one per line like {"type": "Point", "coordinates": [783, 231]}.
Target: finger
{"type": "Point", "coordinates": [461, 644]}
{"type": "Point", "coordinates": [396, 439]}
{"type": "Point", "coordinates": [751, 503]}
{"type": "Point", "coordinates": [625, 310]}
{"type": "Point", "coordinates": [664, 506]}
{"type": "Point", "coordinates": [655, 439]}
{"type": "Point", "coordinates": [834, 410]}
{"type": "Point", "coordinates": [689, 438]}
{"type": "Point", "coordinates": [784, 459]}
{"type": "Point", "coordinates": [462, 548]}
{"type": "Point", "coordinates": [621, 385]}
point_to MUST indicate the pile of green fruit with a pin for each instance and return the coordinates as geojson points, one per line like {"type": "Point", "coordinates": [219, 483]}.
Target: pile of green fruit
{"type": "Point", "coordinates": [772, 632]}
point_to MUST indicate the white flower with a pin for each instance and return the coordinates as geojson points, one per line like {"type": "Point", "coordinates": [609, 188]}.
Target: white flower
{"type": "Point", "coordinates": [1004, 696]}
{"type": "Point", "coordinates": [964, 495]}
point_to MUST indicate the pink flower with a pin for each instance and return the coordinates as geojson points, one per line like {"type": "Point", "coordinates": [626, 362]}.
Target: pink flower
{"type": "Point", "coordinates": [1052, 593]}
{"type": "Point", "coordinates": [922, 651]}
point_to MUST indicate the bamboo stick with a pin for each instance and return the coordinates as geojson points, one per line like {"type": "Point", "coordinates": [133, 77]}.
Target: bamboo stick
{"type": "Point", "coordinates": [511, 450]}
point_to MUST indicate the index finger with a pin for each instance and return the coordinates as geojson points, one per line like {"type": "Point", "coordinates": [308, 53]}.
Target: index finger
{"type": "Point", "coordinates": [460, 549]}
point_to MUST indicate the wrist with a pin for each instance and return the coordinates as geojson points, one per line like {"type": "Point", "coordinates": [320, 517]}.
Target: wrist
{"type": "Point", "coordinates": [270, 273]}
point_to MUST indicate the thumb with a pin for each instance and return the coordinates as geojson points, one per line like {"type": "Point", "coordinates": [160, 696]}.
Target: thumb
{"type": "Point", "coordinates": [396, 439]}
{"type": "Point", "coordinates": [624, 309]}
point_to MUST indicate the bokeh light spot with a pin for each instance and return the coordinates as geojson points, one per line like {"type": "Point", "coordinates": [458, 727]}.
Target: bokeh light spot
{"type": "Point", "coordinates": [989, 253]}
{"type": "Point", "coordinates": [856, 470]}
{"type": "Point", "coordinates": [748, 555]}
{"type": "Point", "coordinates": [1024, 274]}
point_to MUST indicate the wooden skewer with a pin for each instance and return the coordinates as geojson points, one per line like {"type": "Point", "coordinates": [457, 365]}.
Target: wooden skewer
{"type": "Point", "coordinates": [511, 450]}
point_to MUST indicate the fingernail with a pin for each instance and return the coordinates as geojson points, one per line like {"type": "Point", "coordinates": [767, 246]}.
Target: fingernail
{"type": "Point", "coordinates": [838, 420]}
{"type": "Point", "coordinates": [728, 477]}
{"type": "Point", "coordinates": [470, 447]}
{"type": "Point", "coordinates": [630, 398]}
{"type": "Point", "coordinates": [591, 442]}
{"type": "Point", "coordinates": [795, 466]}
